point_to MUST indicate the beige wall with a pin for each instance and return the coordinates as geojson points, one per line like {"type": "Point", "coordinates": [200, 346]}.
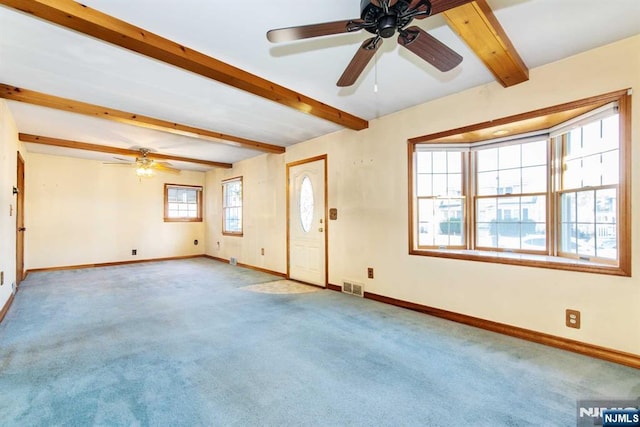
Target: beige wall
{"type": "Point", "coordinates": [368, 185]}
{"type": "Point", "coordinates": [83, 212]}
{"type": "Point", "coordinates": [264, 208]}
{"type": "Point", "coordinates": [9, 146]}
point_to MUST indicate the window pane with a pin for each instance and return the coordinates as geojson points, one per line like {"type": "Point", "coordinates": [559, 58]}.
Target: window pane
{"type": "Point", "coordinates": [509, 181]}
{"type": "Point", "coordinates": [512, 223]}
{"type": "Point", "coordinates": [586, 239]}
{"type": "Point", "coordinates": [534, 153]}
{"type": "Point", "coordinates": [486, 214]}
{"type": "Point", "coordinates": [591, 156]}
{"type": "Point", "coordinates": [439, 184]}
{"type": "Point", "coordinates": [426, 223]}
{"type": "Point", "coordinates": [591, 171]}
{"type": "Point", "coordinates": [454, 161]}
{"type": "Point", "coordinates": [486, 209]}
{"type": "Point", "coordinates": [537, 242]}
{"type": "Point", "coordinates": [232, 206]}
{"type": "Point", "coordinates": [572, 175]}
{"type": "Point", "coordinates": [487, 183]}
{"type": "Point", "coordinates": [423, 162]}
{"type": "Point", "coordinates": [591, 138]}
{"type": "Point", "coordinates": [424, 185]}
{"type": "Point", "coordinates": [610, 167]}
{"type": "Point", "coordinates": [487, 159]}
{"type": "Point", "coordinates": [509, 157]}
{"type": "Point", "coordinates": [568, 238]}
{"type": "Point", "coordinates": [568, 208]}
{"type": "Point", "coordinates": [610, 133]}
{"type": "Point", "coordinates": [439, 162]}
{"type": "Point", "coordinates": [306, 204]}
{"type": "Point", "coordinates": [534, 209]}
{"type": "Point", "coordinates": [454, 184]}
{"type": "Point", "coordinates": [440, 222]}
{"type": "Point", "coordinates": [585, 207]}
{"type": "Point", "coordinates": [606, 224]}
{"type": "Point", "coordinates": [450, 228]}
{"type": "Point", "coordinates": [182, 202]}
{"type": "Point", "coordinates": [534, 179]}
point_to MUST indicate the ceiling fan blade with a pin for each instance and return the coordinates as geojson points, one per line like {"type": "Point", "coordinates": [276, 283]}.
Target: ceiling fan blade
{"type": "Point", "coordinates": [313, 30]}
{"type": "Point", "coordinates": [437, 6]}
{"type": "Point", "coordinates": [429, 48]}
{"type": "Point", "coordinates": [360, 60]}
{"type": "Point", "coordinates": [163, 167]}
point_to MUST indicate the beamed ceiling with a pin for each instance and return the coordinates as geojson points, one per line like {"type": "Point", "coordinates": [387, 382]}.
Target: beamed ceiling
{"type": "Point", "coordinates": [199, 84]}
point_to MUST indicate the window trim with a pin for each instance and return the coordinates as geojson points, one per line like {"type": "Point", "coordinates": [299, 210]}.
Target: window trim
{"type": "Point", "coordinates": [455, 137]}
{"type": "Point", "coordinates": [224, 208]}
{"type": "Point", "coordinates": [199, 191]}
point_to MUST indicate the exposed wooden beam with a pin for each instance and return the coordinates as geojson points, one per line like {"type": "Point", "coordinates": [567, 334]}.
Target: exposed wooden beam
{"type": "Point", "coordinates": [476, 24]}
{"type": "Point", "coordinates": [42, 99]}
{"type": "Point", "coordinates": [94, 23]}
{"type": "Point", "coordinates": [56, 142]}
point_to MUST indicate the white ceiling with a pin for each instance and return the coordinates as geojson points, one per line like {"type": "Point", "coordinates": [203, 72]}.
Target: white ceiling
{"type": "Point", "coordinates": [46, 58]}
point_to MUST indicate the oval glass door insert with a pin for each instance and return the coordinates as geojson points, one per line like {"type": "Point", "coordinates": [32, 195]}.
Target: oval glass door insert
{"type": "Point", "coordinates": [306, 204]}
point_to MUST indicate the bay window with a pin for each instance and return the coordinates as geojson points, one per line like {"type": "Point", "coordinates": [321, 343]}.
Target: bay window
{"type": "Point", "coordinates": [555, 197]}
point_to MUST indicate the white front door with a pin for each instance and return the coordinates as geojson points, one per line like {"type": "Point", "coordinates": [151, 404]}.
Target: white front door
{"type": "Point", "coordinates": [307, 222]}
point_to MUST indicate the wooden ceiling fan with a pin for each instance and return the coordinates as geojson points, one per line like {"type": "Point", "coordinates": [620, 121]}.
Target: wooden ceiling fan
{"type": "Point", "coordinates": [145, 166]}
{"type": "Point", "coordinates": [383, 19]}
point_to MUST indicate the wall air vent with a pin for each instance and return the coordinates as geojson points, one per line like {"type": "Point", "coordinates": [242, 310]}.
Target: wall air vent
{"type": "Point", "coordinates": [353, 288]}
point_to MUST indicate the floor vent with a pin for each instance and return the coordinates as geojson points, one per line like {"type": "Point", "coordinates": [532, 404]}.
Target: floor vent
{"type": "Point", "coordinates": [353, 288]}
{"type": "Point", "coordinates": [233, 261]}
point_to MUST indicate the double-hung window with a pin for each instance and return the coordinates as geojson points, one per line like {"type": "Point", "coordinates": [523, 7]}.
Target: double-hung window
{"type": "Point", "coordinates": [440, 199]}
{"type": "Point", "coordinates": [232, 206]}
{"type": "Point", "coordinates": [510, 201]}
{"type": "Point", "coordinates": [555, 197]}
{"type": "Point", "coordinates": [182, 203]}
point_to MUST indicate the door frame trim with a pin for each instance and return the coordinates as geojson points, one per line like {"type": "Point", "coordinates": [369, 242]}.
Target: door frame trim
{"type": "Point", "coordinates": [323, 158]}
{"type": "Point", "coordinates": [20, 184]}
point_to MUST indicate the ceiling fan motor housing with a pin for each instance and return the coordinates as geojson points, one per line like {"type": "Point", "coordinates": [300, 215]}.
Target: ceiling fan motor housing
{"type": "Point", "coordinates": [387, 24]}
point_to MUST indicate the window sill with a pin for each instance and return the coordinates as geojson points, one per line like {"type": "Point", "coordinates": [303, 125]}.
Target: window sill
{"type": "Point", "coordinates": [226, 233]}
{"type": "Point", "coordinates": [527, 260]}
{"type": "Point", "coordinates": [183, 220]}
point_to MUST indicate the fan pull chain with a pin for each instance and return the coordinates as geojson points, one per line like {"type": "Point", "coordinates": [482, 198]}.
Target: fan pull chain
{"type": "Point", "coordinates": [375, 69]}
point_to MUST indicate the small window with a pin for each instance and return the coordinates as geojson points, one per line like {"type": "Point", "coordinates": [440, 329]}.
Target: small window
{"type": "Point", "coordinates": [306, 204]}
{"type": "Point", "coordinates": [182, 203]}
{"type": "Point", "coordinates": [232, 207]}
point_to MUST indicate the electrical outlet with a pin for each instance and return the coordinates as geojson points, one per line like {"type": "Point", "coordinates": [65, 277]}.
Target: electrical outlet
{"type": "Point", "coordinates": [370, 273]}
{"type": "Point", "coordinates": [134, 252]}
{"type": "Point", "coordinates": [572, 319]}
{"type": "Point", "coordinates": [261, 251]}
{"type": "Point", "coordinates": [1, 278]}
{"type": "Point", "coordinates": [195, 242]}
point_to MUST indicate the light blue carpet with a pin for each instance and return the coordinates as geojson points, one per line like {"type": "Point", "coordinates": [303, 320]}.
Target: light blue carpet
{"type": "Point", "coordinates": [178, 343]}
